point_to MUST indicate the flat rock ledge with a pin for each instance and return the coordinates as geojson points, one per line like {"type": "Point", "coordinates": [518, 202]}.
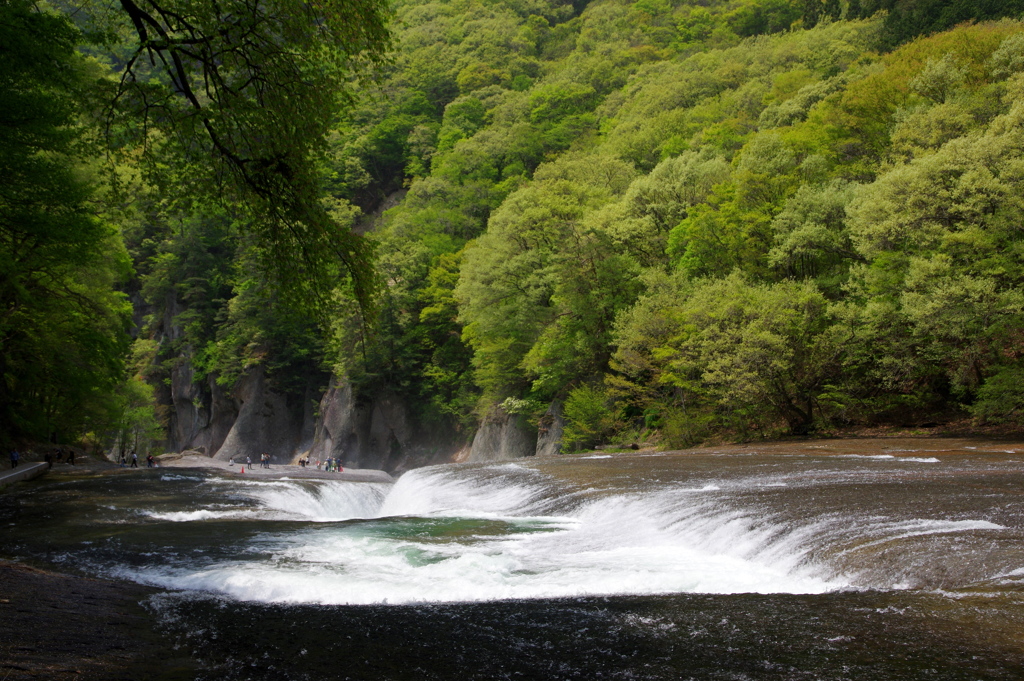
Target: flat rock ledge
{"type": "Point", "coordinates": [276, 470]}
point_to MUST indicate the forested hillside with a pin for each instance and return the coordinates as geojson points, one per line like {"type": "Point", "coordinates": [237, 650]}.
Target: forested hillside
{"type": "Point", "coordinates": [675, 222]}
{"type": "Point", "coordinates": [686, 231]}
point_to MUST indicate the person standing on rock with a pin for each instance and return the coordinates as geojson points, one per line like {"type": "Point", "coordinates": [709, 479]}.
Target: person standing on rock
{"type": "Point", "coordinates": [248, 461]}
{"type": "Point", "coordinates": [14, 458]}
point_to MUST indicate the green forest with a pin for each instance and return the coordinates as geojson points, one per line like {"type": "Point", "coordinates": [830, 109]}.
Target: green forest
{"type": "Point", "coordinates": [682, 221]}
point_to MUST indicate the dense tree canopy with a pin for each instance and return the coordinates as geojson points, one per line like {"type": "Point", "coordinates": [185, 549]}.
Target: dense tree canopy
{"type": "Point", "coordinates": [738, 218]}
{"type": "Point", "coordinates": [203, 109]}
{"type": "Point", "coordinates": [734, 239]}
{"type": "Point", "coordinates": [242, 95]}
{"type": "Point", "coordinates": [62, 325]}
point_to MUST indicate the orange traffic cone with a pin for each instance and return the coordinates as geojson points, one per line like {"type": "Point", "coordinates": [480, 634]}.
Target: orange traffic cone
{"type": "Point", "coordinates": [243, 469]}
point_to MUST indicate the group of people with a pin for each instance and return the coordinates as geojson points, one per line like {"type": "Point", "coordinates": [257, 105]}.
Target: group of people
{"type": "Point", "coordinates": [332, 465]}
{"type": "Point", "coordinates": [264, 461]}
{"type": "Point", "coordinates": [133, 456]}
{"type": "Point", "coordinates": [48, 457]}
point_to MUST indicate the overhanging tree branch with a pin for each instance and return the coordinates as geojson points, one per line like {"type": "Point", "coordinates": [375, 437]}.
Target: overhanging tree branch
{"type": "Point", "coordinates": [246, 90]}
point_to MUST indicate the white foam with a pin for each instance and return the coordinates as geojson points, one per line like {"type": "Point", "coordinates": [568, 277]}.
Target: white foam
{"type": "Point", "coordinates": [621, 544]}
{"type": "Point", "coordinates": [316, 501]}
{"type": "Point", "coordinates": [192, 516]}
{"type": "Point", "coordinates": [477, 533]}
{"type": "Point", "coordinates": [890, 457]}
{"type": "Point", "coordinates": [919, 527]}
{"type": "Point", "coordinates": [710, 487]}
{"type": "Point", "coordinates": [324, 501]}
{"type": "Point", "coordinates": [442, 491]}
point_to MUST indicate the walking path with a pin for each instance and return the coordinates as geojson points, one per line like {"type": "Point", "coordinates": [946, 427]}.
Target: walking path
{"type": "Point", "coordinates": [25, 471]}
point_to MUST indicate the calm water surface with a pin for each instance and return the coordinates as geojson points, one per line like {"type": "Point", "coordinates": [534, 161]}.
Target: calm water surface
{"type": "Point", "coordinates": [860, 559]}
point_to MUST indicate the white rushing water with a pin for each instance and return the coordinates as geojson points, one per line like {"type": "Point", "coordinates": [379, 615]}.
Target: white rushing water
{"type": "Point", "coordinates": [499, 532]}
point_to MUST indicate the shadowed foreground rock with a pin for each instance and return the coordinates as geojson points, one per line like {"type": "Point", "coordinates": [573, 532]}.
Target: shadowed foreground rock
{"type": "Point", "coordinates": [59, 627]}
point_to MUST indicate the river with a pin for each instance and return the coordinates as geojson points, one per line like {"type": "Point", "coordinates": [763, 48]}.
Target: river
{"type": "Point", "coordinates": [845, 559]}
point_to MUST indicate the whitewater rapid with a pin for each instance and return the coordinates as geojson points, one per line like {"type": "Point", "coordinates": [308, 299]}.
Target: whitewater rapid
{"type": "Point", "coordinates": [481, 533]}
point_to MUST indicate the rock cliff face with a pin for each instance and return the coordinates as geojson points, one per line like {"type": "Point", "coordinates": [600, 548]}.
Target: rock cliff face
{"type": "Point", "coordinates": [201, 414]}
{"type": "Point", "coordinates": [502, 437]}
{"type": "Point", "coordinates": [369, 431]}
{"type": "Point", "coordinates": [549, 431]}
{"type": "Point", "coordinates": [266, 422]}
{"type": "Point", "coordinates": [377, 431]}
{"type": "Point", "coordinates": [248, 421]}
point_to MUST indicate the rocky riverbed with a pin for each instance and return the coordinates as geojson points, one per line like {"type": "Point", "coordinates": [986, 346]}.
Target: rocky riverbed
{"type": "Point", "coordinates": [60, 627]}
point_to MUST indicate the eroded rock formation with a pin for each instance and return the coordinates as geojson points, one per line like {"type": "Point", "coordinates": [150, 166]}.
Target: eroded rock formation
{"type": "Point", "coordinates": [376, 431]}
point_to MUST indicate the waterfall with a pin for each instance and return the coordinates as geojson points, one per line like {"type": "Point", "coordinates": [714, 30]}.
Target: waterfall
{"type": "Point", "coordinates": [596, 526]}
